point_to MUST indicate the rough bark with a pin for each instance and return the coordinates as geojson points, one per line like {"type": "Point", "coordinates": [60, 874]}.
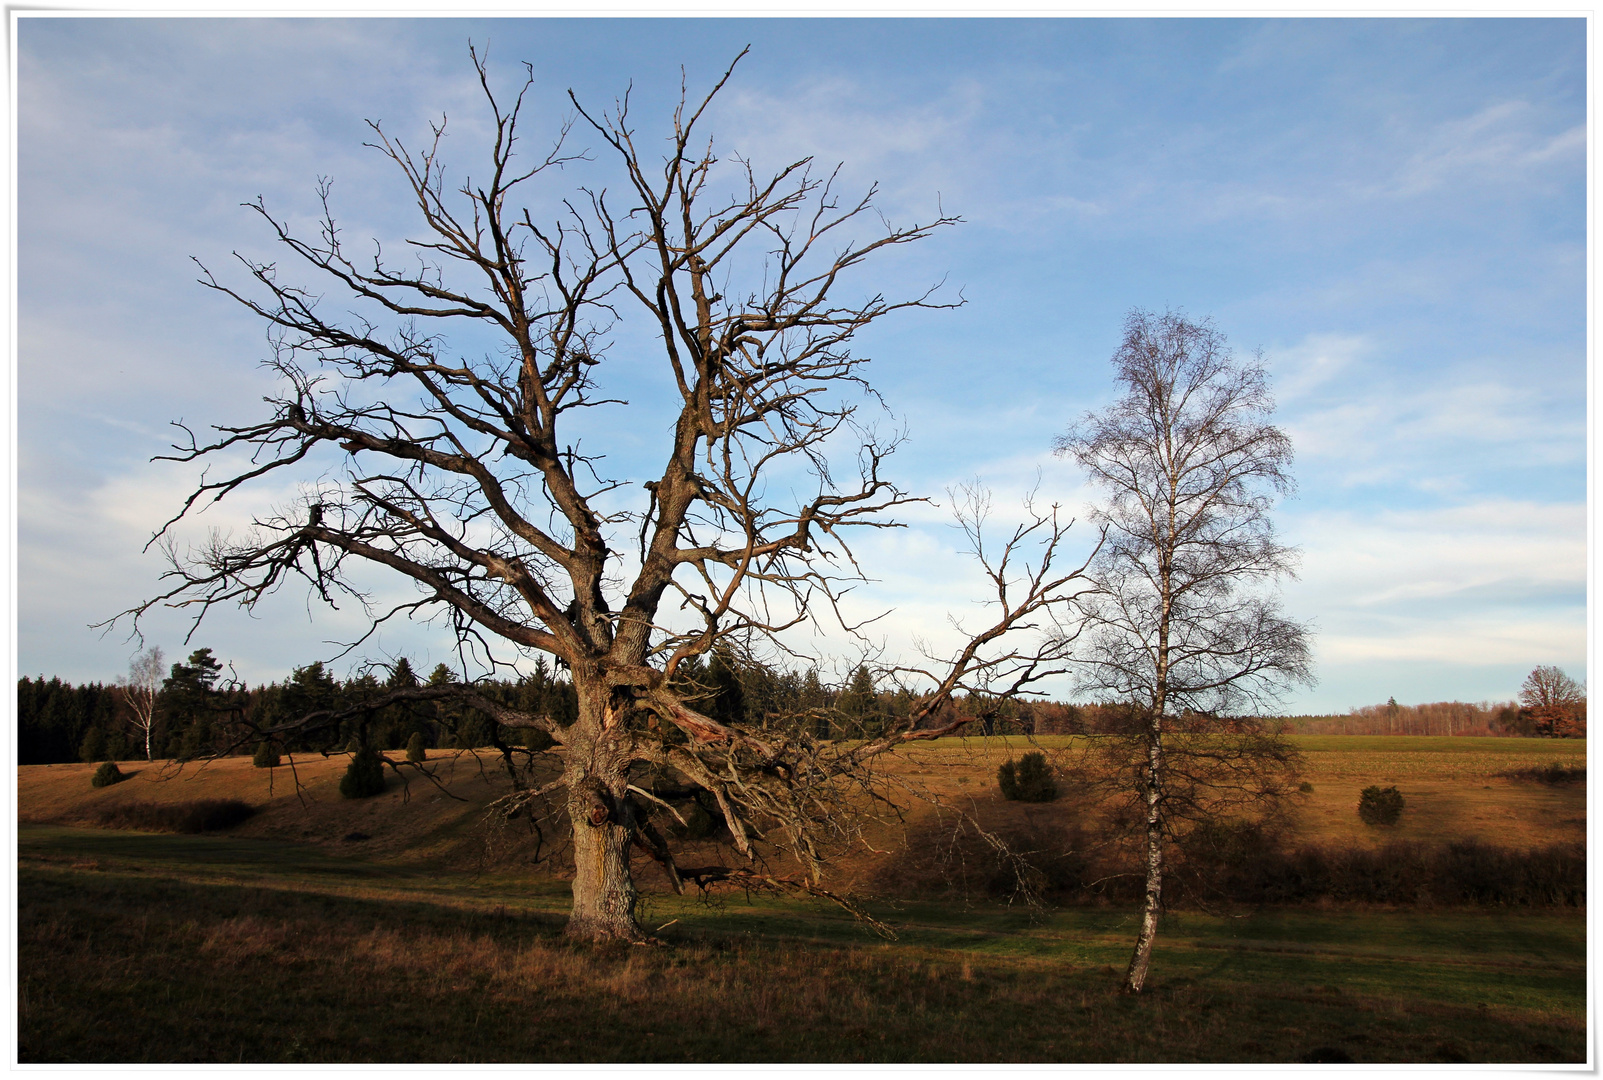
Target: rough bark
{"type": "Point", "coordinates": [603, 887]}
{"type": "Point", "coordinates": [601, 815]}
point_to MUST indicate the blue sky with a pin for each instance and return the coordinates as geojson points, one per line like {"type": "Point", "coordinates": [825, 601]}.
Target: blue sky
{"type": "Point", "coordinates": [1393, 210]}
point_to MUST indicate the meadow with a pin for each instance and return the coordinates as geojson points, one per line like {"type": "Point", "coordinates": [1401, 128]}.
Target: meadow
{"type": "Point", "coordinates": [400, 929]}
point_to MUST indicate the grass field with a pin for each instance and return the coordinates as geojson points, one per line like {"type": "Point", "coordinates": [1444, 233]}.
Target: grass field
{"type": "Point", "coordinates": [287, 940]}
{"type": "Point", "coordinates": [1452, 786]}
{"type": "Point", "coordinates": [140, 947]}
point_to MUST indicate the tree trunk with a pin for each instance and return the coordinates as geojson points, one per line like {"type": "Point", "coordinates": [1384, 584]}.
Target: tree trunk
{"type": "Point", "coordinates": [603, 887]}
{"type": "Point", "coordinates": [602, 817]}
{"type": "Point", "coordinates": [1137, 974]}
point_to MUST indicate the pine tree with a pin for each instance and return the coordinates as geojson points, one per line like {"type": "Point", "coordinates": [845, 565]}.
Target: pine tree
{"type": "Point", "coordinates": [402, 676]}
{"type": "Point", "coordinates": [859, 704]}
{"type": "Point", "coordinates": [727, 703]}
{"type": "Point", "coordinates": [1027, 780]}
{"type": "Point", "coordinates": [364, 776]}
{"type": "Point", "coordinates": [1380, 806]}
{"type": "Point", "coordinates": [814, 699]}
{"type": "Point", "coordinates": [185, 705]}
{"type": "Point", "coordinates": [93, 746]}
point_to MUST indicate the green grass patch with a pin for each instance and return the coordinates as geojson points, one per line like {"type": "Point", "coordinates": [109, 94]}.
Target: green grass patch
{"type": "Point", "coordinates": [140, 947]}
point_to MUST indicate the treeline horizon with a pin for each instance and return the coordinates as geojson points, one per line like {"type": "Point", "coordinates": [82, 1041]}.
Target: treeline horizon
{"type": "Point", "coordinates": [199, 715]}
{"type": "Point", "coordinates": [1506, 719]}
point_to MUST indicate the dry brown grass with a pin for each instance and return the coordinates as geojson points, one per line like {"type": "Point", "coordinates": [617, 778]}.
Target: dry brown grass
{"type": "Point", "coordinates": [1455, 787]}
{"type": "Point", "coordinates": [1455, 790]}
{"type": "Point", "coordinates": [416, 820]}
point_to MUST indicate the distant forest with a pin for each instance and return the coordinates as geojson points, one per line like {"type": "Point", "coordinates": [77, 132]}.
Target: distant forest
{"type": "Point", "coordinates": [199, 714]}
{"type": "Point", "coordinates": [1437, 718]}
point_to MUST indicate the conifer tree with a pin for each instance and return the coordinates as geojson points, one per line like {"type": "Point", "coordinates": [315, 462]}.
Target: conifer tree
{"type": "Point", "coordinates": [364, 776]}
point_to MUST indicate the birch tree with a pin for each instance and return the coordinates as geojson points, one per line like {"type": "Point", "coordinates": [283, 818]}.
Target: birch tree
{"type": "Point", "coordinates": [139, 689]}
{"type": "Point", "coordinates": [1182, 624]}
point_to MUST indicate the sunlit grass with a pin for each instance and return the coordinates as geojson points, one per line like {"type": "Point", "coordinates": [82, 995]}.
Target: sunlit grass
{"type": "Point", "coordinates": [1454, 787]}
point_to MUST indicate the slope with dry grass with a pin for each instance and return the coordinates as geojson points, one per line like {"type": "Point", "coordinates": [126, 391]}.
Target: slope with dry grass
{"type": "Point", "coordinates": [1457, 789]}
{"type": "Point", "coordinates": [416, 818]}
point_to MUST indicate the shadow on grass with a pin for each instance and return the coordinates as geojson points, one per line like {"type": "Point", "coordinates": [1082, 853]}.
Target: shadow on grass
{"type": "Point", "coordinates": [138, 947]}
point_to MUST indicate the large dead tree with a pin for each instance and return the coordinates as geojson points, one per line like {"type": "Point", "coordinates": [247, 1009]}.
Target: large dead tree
{"type": "Point", "coordinates": [1182, 623]}
{"type": "Point", "coordinates": [468, 475]}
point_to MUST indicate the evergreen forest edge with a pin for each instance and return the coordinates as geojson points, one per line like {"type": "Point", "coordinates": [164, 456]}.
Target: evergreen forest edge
{"type": "Point", "coordinates": [198, 714]}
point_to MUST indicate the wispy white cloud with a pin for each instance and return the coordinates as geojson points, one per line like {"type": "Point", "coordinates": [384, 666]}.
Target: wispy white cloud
{"type": "Point", "coordinates": [1307, 370]}
{"type": "Point", "coordinates": [82, 559]}
{"type": "Point", "coordinates": [1503, 143]}
{"type": "Point", "coordinates": [925, 147]}
{"type": "Point", "coordinates": [1427, 436]}
{"type": "Point", "coordinates": [1530, 642]}
{"type": "Point", "coordinates": [1498, 581]}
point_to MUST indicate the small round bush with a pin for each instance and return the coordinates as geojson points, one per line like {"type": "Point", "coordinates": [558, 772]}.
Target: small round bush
{"type": "Point", "coordinates": [265, 757]}
{"type": "Point", "coordinates": [106, 775]}
{"type": "Point", "coordinates": [364, 776]}
{"type": "Point", "coordinates": [414, 748]}
{"type": "Point", "coordinates": [1027, 780]}
{"type": "Point", "coordinates": [1380, 806]}
{"type": "Point", "coordinates": [1305, 787]}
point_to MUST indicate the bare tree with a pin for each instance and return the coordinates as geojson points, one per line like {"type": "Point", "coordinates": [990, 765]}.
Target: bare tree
{"type": "Point", "coordinates": [1549, 686]}
{"type": "Point", "coordinates": [140, 687]}
{"type": "Point", "coordinates": [475, 478]}
{"type": "Point", "coordinates": [1553, 703]}
{"type": "Point", "coordinates": [1179, 625]}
